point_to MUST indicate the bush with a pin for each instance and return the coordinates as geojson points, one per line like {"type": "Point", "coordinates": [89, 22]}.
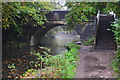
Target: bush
{"type": "Point", "coordinates": [72, 45]}
{"type": "Point", "coordinates": [57, 66]}
{"type": "Point", "coordinates": [90, 41]}
{"type": "Point", "coordinates": [116, 61]}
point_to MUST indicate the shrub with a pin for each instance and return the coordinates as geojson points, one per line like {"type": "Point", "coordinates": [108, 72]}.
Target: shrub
{"type": "Point", "coordinates": [72, 45]}
{"type": "Point", "coordinates": [116, 30]}
{"type": "Point", "coordinates": [57, 66]}
{"type": "Point", "coordinates": [90, 41]}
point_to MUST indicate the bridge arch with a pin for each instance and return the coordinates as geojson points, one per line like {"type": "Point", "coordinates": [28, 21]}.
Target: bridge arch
{"type": "Point", "coordinates": [55, 18]}
{"type": "Point", "coordinates": [39, 33]}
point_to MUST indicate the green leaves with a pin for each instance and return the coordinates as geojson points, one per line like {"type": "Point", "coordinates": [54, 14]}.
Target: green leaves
{"type": "Point", "coordinates": [72, 46]}
{"type": "Point", "coordinates": [116, 30]}
{"type": "Point", "coordinates": [55, 66]}
{"type": "Point", "coordinates": [79, 13]}
{"type": "Point", "coordinates": [25, 11]}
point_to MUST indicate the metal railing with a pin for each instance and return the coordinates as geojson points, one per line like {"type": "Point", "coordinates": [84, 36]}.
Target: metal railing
{"type": "Point", "coordinates": [96, 24]}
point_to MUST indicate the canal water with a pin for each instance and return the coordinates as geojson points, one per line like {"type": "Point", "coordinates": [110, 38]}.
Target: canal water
{"type": "Point", "coordinates": [58, 37]}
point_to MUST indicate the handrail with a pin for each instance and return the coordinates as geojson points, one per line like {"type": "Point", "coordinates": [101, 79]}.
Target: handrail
{"type": "Point", "coordinates": [112, 13]}
{"type": "Point", "coordinates": [96, 24]}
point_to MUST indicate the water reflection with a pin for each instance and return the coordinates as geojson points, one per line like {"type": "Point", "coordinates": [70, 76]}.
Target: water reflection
{"type": "Point", "coordinates": [59, 39]}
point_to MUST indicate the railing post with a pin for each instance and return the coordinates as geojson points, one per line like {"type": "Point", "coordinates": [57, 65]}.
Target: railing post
{"type": "Point", "coordinates": [96, 25]}
{"type": "Point", "coordinates": [112, 13]}
{"type": "Point", "coordinates": [98, 14]}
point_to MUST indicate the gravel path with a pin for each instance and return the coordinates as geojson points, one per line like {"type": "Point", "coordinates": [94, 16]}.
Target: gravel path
{"type": "Point", "coordinates": [95, 64]}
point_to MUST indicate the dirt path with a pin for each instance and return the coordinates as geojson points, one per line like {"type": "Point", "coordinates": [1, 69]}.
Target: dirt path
{"type": "Point", "coordinates": [95, 64]}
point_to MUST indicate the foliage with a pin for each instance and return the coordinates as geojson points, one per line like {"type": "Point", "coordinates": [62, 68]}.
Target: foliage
{"type": "Point", "coordinates": [17, 14]}
{"type": "Point", "coordinates": [72, 45]}
{"type": "Point", "coordinates": [90, 41]}
{"type": "Point", "coordinates": [80, 12]}
{"type": "Point", "coordinates": [113, 6]}
{"type": "Point", "coordinates": [20, 20]}
{"type": "Point", "coordinates": [12, 67]}
{"type": "Point", "coordinates": [57, 66]}
{"type": "Point", "coordinates": [116, 30]}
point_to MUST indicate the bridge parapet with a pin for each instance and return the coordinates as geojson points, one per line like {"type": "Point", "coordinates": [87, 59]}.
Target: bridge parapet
{"type": "Point", "coordinates": [57, 15]}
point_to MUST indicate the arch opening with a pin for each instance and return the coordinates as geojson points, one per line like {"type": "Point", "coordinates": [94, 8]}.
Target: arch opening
{"type": "Point", "coordinates": [56, 38]}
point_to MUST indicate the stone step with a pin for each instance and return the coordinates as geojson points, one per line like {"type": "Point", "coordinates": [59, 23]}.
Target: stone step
{"type": "Point", "coordinates": [105, 38]}
{"type": "Point", "coordinates": [105, 45]}
{"type": "Point", "coordinates": [105, 34]}
{"type": "Point", "coordinates": [105, 48]}
{"type": "Point", "coordinates": [104, 23]}
{"type": "Point", "coordinates": [102, 41]}
{"type": "Point", "coordinates": [104, 27]}
{"type": "Point", "coordinates": [106, 18]}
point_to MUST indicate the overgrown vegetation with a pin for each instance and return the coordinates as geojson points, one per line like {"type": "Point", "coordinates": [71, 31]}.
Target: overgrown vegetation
{"type": "Point", "coordinates": [20, 19]}
{"type": "Point", "coordinates": [21, 13]}
{"type": "Point", "coordinates": [81, 12]}
{"type": "Point", "coordinates": [90, 41]}
{"type": "Point", "coordinates": [17, 17]}
{"type": "Point", "coordinates": [51, 66]}
{"type": "Point", "coordinates": [57, 66]}
{"type": "Point", "coordinates": [116, 61]}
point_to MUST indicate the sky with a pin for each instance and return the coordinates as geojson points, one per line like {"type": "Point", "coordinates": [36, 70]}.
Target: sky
{"type": "Point", "coordinates": [61, 2]}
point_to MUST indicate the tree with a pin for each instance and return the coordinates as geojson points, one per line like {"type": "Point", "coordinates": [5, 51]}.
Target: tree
{"type": "Point", "coordinates": [82, 11]}
{"type": "Point", "coordinates": [17, 17]}
{"type": "Point", "coordinates": [18, 13]}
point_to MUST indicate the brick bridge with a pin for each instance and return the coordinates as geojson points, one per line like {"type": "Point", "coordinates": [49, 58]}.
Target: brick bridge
{"type": "Point", "coordinates": [57, 18]}
{"type": "Point", "coordinates": [54, 18]}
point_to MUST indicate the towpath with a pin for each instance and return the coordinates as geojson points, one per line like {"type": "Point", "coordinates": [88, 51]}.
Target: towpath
{"type": "Point", "coordinates": [95, 64]}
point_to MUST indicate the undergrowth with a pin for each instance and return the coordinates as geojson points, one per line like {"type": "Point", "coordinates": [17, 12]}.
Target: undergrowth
{"type": "Point", "coordinates": [116, 61]}
{"type": "Point", "coordinates": [55, 66]}
{"type": "Point", "coordinates": [90, 41]}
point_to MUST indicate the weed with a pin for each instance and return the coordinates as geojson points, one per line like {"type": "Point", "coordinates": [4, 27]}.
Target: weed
{"type": "Point", "coordinates": [116, 61]}
{"type": "Point", "coordinates": [90, 41]}
{"type": "Point", "coordinates": [56, 66]}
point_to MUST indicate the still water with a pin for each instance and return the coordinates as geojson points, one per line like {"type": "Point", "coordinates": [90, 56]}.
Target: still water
{"type": "Point", "coordinates": [59, 39]}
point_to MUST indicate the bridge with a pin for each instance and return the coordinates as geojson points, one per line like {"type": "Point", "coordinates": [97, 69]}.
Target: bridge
{"type": "Point", "coordinates": [57, 18]}
{"type": "Point", "coordinates": [57, 15]}
{"type": "Point", "coordinates": [54, 18]}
